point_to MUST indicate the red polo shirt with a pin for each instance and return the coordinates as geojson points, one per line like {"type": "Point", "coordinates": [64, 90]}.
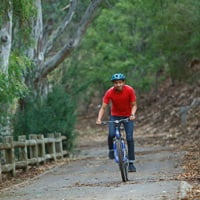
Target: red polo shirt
{"type": "Point", "coordinates": [120, 100]}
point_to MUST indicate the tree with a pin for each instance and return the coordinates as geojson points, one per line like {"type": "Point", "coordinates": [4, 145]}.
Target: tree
{"type": "Point", "coordinates": [40, 52]}
{"type": "Point", "coordinates": [22, 31]}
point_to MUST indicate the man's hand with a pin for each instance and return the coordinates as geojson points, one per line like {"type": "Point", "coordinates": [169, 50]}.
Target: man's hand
{"type": "Point", "coordinates": [98, 122]}
{"type": "Point", "coordinates": [101, 113]}
{"type": "Point", "coordinates": [132, 117]}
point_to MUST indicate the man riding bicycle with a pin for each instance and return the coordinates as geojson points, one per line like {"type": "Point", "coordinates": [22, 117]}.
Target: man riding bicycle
{"type": "Point", "coordinates": [123, 104]}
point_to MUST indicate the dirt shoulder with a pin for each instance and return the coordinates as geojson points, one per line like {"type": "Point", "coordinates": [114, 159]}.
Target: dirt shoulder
{"type": "Point", "coordinates": [174, 111]}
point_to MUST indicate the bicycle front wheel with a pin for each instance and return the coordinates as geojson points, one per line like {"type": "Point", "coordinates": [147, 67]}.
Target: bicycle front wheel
{"type": "Point", "coordinates": [123, 165]}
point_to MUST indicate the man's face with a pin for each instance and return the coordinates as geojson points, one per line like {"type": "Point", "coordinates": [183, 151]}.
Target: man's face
{"type": "Point", "coordinates": [118, 85]}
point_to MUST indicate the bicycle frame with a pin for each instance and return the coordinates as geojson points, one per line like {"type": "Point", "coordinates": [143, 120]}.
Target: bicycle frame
{"type": "Point", "coordinates": [123, 145]}
{"type": "Point", "coordinates": [118, 137]}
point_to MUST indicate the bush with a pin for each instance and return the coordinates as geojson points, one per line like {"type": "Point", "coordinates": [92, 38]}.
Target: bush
{"type": "Point", "coordinates": [55, 113]}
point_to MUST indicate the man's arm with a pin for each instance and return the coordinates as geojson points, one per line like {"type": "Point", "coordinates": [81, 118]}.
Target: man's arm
{"type": "Point", "coordinates": [133, 110]}
{"type": "Point", "coordinates": [101, 113]}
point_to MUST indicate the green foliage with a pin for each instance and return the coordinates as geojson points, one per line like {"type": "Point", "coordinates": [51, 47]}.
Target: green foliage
{"type": "Point", "coordinates": [23, 13]}
{"type": "Point", "coordinates": [177, 36]}
{"type": "Point", "coordinates": [23, 10]}
{"type": "Point", "coordinates": [4, 6]}
{"type": "Point", "coordinates": [56, 113]}
{"type": "Point", "coordinates": [116, 43]}
{"type": "Point", "coordinates": [141, 39]}
{"type": "Point", "coordinates": [12, 85]}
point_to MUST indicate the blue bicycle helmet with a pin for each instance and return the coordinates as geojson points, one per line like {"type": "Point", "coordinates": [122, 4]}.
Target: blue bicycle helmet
{"type": "Point", "coordinates": [118, 76]}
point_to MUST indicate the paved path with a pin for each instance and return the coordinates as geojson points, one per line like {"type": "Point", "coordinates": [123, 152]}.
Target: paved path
{"type": "Point", "coordinates": [94, 177]}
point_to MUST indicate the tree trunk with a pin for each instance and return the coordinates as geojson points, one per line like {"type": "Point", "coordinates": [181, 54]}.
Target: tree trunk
{"type": "Point", "coordinates": [6, 38]}
{"type": "Point", "coordinates": [36, 51]}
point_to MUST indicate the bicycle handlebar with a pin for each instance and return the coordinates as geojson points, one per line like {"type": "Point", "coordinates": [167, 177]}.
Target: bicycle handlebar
{"type": "Point", "coordinates": [115, 121]}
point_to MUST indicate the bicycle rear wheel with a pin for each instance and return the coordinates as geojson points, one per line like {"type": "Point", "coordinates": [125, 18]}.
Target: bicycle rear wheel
{"type": "Point", "coordinates": [123, 165]}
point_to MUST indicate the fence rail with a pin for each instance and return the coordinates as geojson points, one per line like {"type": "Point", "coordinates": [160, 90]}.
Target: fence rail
{"type": "Point", "coordinates": [22, 153]}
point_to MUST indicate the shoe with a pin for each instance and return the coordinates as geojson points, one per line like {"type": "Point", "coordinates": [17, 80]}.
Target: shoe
{"type": "Point", "coordinates": [111, 154]}
{"type": "Point", "coordinates": [131, 168]}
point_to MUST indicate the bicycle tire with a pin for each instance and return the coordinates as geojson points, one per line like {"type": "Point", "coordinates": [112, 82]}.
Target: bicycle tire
{"type": "Point", "coordinates": [122, 165]}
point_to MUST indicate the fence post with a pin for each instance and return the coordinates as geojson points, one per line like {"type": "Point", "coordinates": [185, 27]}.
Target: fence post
{"type": "Point", "coordinates": [23, 153]}
{"type": "Point", "coordinates": [41, 148]}
{"type": "Point", "coordinates": [51, 146]}
{"type": "Point", "coordinates": [34, 148]}
{"type": "Point", "coordinates": [59, 146]}
{"type": "Point", "coordinates": [10, 153]}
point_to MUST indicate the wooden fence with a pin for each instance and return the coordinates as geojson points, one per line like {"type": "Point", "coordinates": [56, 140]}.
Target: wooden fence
{"type": "Point", "coordinates": [22, 153]}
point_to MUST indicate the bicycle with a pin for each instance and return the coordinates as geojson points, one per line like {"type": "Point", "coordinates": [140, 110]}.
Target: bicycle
{"type": "Point", "coordinates": [119, 146]}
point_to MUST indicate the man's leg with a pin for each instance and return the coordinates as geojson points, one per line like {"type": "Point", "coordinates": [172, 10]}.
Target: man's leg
{"type": "Point", "coordinates": [130, 142]}
{"type": "Point", "coordinates": [110, 138]}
